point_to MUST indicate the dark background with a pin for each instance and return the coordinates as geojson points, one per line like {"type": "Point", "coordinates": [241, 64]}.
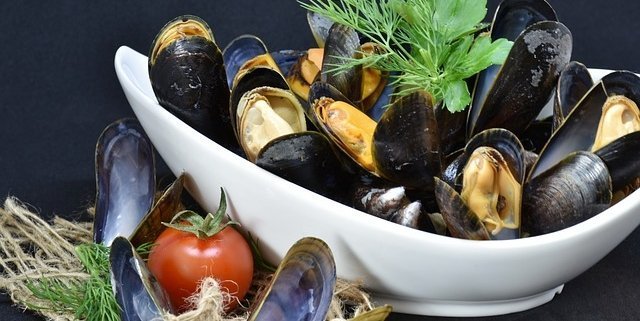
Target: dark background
{"type": "Point", "coordinates": [58, 90]}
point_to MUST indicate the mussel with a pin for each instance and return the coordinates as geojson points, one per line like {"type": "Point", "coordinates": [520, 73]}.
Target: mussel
{"type": "Point", "coordinates": [491, 171]}
{"type": "Point", "coordinates": [125, 180]}
{"type": "Point", "coordinates": [264, 108]}
{"type": "Point", "coordinates": [242, 54]}
{"type": "Point", "coordinates": [188, 78]}
{"type": "Point", "coordinates": [525, 82]}
{"type": "Point", "coordinates": [572, 191]}
{"type": "Point", "coordinates": [361, 85]}
{"type": "Point", "coordinates": [302, 286]}
{"type": "Point", "coordinates": [137, 292]}
{"type": "Point", "coordinates": [606, 112]}
{"type": "Point", "coordinates": [573, 83]}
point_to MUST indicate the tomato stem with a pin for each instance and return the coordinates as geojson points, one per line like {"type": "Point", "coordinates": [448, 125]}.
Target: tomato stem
{"type": "Point", "coordinates": [191, 222]}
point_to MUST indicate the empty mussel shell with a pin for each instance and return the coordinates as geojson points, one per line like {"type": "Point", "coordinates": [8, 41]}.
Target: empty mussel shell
{"type": "Point", "coordinates": [125, 180]}
{"type": "Point", "coordinates": [139, 295]}
{"type": "Point", "coordinates": [302, 286]}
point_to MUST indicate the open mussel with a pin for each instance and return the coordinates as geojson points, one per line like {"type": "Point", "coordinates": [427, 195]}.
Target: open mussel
{"type": "Point", "coordinates": [187, 75]}
{"type": "Point", "coordinates": [608, 111]}
{"type": "Point", "coordinates": [139, 295]}
{"type": "Point", "coordinates": [244, 53]}
{"type": "Point", "coordinates": [525, 81]}
{"type": "Point", "coordinates": [362, 86]}
{"type": "Point", "coordinates": [263, 109]}
{"type": "Point", "coordinates": [302, 286]}
{"type": "Point", "coordinates": [573, 83]}
{"type": "Point", "coordinates": [491, 173]}
{"type": "Point", "coordinates": [125, 180]}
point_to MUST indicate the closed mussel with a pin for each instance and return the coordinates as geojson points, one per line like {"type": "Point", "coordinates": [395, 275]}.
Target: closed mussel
{"type": "Point", "coordinates": [570, 192]}
{"type": "Point", "coordinates": [188, 78]}
{"type": "Point", "coordinates": [489, 202]}
{"type": "Point", "coordinates": [406, 143]}
{"type": "Point", "coordinates": [307, 159]}
{"type": "Point", "coordinates": [511, 18]}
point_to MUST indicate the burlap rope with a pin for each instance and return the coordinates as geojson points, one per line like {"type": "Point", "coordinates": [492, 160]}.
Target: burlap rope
{"type": "Point", "coordinates": [31, 248]}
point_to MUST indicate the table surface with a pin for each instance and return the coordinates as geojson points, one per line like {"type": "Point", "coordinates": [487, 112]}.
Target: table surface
{"type": "Point", "coordinates": [59, 90]}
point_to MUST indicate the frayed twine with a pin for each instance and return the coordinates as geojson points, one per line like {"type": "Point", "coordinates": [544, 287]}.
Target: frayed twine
{"type": "Point", "coordinates": [33, 249]}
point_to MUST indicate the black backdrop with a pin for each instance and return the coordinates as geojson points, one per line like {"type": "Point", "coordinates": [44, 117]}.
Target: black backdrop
{"type": "Point", "coordinates": [58, 90]}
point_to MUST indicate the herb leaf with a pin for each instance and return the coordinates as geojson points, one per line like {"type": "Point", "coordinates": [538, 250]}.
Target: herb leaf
{"type": "Point", "coordinates": [432, 43]}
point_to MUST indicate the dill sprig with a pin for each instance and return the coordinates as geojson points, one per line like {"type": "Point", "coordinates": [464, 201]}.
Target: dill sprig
{"type": "Point", "coordinates": [434, 44]}
{"type": "Point", "coordinates": [91, 299]}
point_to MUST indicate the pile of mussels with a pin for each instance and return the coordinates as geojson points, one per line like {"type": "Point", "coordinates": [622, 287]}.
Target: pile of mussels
{"type": "Point", "coordinates": [495, 171]}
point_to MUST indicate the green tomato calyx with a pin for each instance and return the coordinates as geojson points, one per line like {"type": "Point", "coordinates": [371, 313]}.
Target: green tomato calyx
{"type": "Point", "coordinates": [203, 227]}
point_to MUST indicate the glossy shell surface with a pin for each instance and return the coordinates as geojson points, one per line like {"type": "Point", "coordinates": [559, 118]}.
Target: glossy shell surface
{"type": "Point", "coordinates": [137, 292]}
{"type": "Point", "coordinates": [125, 179]}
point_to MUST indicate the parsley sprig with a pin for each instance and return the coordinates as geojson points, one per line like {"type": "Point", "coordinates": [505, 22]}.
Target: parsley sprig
{"type": "Point", "coordinates": [434, 44]}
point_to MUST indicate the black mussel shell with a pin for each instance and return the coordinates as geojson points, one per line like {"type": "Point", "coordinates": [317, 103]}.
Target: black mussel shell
{"type": "Point", "coordinates": [526, 80]}
{"type": "Point", "coordinates": [572, 191]}
{"type": "Point", "coordinates": [537, 134]}
{"type": "Point", "coordinates": [308, 160]}
{"type": "Point", "coordinates": [406, 144]}
{"type": "Point", "coordinates": [139, 295]}
{"type": "Point", "coordinates": [302, 286]}
{"type": "Point", "coordinates": [511, 18]}
{"type": "Point", "coordinates": [342, 42]}
{"type": "Point", "coordinates": [320, 26]}
{"type": "Point", "coordinates": [573, 83]}
{"type": "Point", "coordinates": [505, 142]}
{"type": "Point", "coordinates": [239, 51]}
{"type": "Point", "coordinates": [622, 157]}
{"type": "Point", "coordinates": [460, 220]}
{"type": "Point", "coordinates": [125, 180]}
{"type": "Point", "coordinates": [188, 78]}
{"type": "Point", "coordinates": [579, 129]}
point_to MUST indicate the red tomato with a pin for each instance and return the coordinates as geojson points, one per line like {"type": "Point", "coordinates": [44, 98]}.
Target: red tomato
{"type": "Point", "coordinates": [180, 260]}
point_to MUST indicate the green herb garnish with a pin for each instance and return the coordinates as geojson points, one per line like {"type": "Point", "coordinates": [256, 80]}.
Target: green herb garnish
{"type": "Point", "coordinates": [88, 299]}
{"type": "Point", "coordinates": [433, 43]}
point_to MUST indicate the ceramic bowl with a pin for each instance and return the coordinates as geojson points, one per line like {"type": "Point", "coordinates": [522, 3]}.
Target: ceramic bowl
{"type": "Point", "coordinates": [416, 272]}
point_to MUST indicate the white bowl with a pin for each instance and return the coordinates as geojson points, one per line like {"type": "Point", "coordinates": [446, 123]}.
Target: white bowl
{"type": "Point", "coordinates": [416, 272]}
